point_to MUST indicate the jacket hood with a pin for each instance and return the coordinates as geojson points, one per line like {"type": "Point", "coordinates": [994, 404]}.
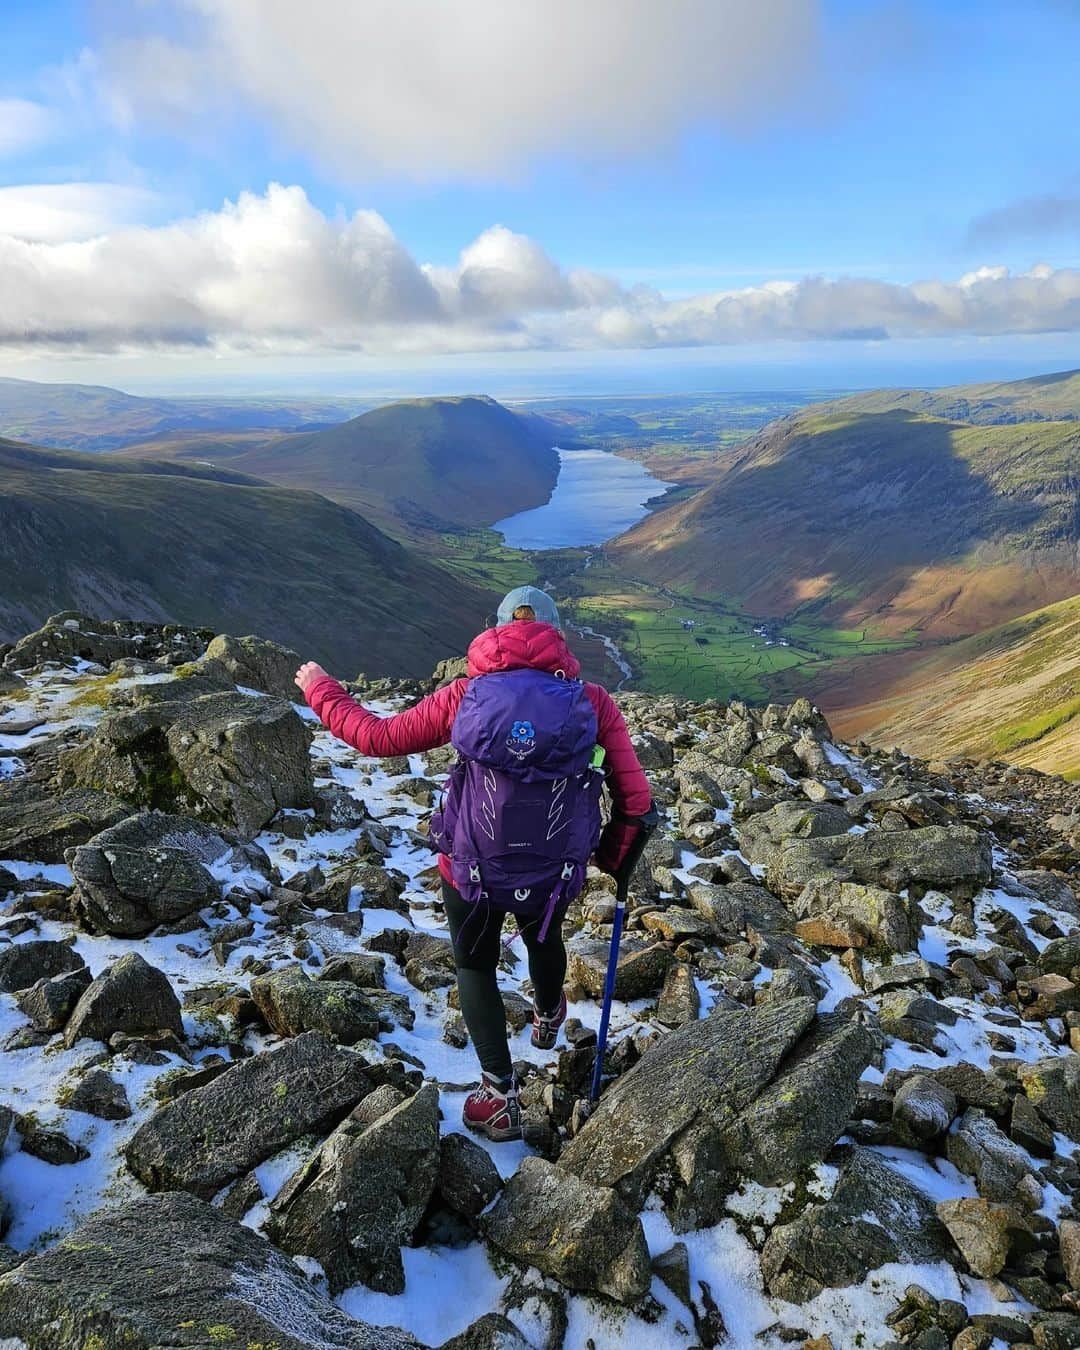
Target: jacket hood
{"type": "Point", "coordinates": [522, 645]}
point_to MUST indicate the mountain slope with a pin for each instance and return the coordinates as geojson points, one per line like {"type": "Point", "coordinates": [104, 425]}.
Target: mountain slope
{"type": "Point", "coordinates": [425, 463]}
{"type": "Point", "coordinates": [910, 524]}
{"type": "Point", "coordinates": [94, 417]}
{"type": "Point", "coordinates": [1011, 693]}
{"type": "Point", "coordinates": [1043, 398]}
{"type": "Point", "coordinates": [169, 541]}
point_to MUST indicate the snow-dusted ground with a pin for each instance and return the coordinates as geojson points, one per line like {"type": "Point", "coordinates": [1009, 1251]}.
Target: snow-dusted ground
{"type": "Point", "coordinates": [449, 1287]}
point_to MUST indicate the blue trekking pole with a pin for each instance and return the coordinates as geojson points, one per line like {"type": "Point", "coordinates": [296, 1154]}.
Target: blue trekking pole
{"type": "Point", "coordinates": [646, 824]}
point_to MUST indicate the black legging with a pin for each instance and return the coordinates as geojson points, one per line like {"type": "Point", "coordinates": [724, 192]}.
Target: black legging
{"type": "Point", "coordinates": [476, 932]}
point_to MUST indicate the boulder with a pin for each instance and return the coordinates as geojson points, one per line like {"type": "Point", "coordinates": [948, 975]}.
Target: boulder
{"type": "Point", "coordinates": [874, 1216]}
{"type": "Point", "coordinates": [640, 972]}
{"type": "Point", "coordinates": [147, 870]}
{"type": "Point", "coordinates": [582, 1235]}
{"type": "Point", "coordinates": [760, 836]}
{"type": "Point", "coordinates": [232, 759]}
{"type": "Point", "coordinates": [49, 1003]}
{"type": "Point", "coordinates": [925, 1106]}
{"type": "Point", "coordinates": [798, 1117]}
{"type": "Point", "coordinates": [71, 634]}
{"type": "Point", "coordinates": [707, 1074]}
{"type": "Point", "coordinates": [468, 1179]}
{"type": "Point", "coordinates": [944, 857]}
{"type": "Point", "coordinates": [292, 1002]}
{"type": "Point", "coordinates": [360, 1196]}
{"type": "Point", "coordinates": [40, 823]}
{"type": "Point", "coordinates": [984, 1232]}
{"type": "Point", "coordinates": [797, 862]}
{"type": "Point", "coordinates": [171, 1270]}
{"type": "Point", "coordinates": [738, 905]}
{"type": "Point", "coordinates": [848, 914]}
{"type": "Point", "coordinates": [493, 1331]}
{"type": "Point", "coordinates": [130, 995]}
{"type": "Point", "coordinates": [24, 963]}
{"type": "Point", "coordinates": [679, 1000]}
{"type": "Point", "coordinates": [980, 1149]}
{"type": "Point", "coordinates": [1053, 1087]}
{"type": "Point", "coordinates": [255, 663]}
{"type": "Point", "coordinates": [217, 1132]}
{"type": "Point", "coordinates": [97, 1094]}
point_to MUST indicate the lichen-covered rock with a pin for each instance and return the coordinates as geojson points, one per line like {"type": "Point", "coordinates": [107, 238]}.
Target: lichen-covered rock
{"type": "Point", "coordinates": [985, 1232]}
{"type": "Point", "coordinates": [796, 1119]}
{"type": "Point", "coordinates": [760, 836]}
{"type": "Point", "coordinates": [925, 1106]}
{"type": "Point", "coordinates": [706, 1074]}
{"type": "Point", "coordinates": [945, 857]}
{"type": "Point", "coordinates": [130, 995]}
{"type": "Point", "coordinates": [582, 1235]}
{"type": "Point", "coordinates": [1053, 1087]}
{"type": "Point", "coordinates": [292, 1002]}
{"type": "Point", "coordinates": [255, 663]}
{"type": "Point", "coordinates": [171, 1270]}
{"type": "Point", "coordinates": [359, 1198]}
{"type": "Point", "coordinates": [639, 973]}
{"type": "Point", "coordinates": [797, 862]}
{"type": "Point", "coordinates": [874, 1216]}
{"type": "Point", "coordinates": [215, 1133]}
{"type": "Point", "coordinates": [231, 759]}
{"type": "Point", "coordinates": [24, 963]}
{"type": "Point", "coordinates": [40, 823]}
{"type": "Point", "coordinates": [97, 1094]}
{"type": "Point", "coordinates": [733, 907]}
{"type": "Point", "coordinates": [679, 1000]}
{"type": "Point", "coordinates": [49, 1003]}
{"type": "Point", "coordinates": [853, 915]}
{"type": "Point", "coordinates": [147, 870]}
{"type": "Point", "coordinates": [985, 1152]}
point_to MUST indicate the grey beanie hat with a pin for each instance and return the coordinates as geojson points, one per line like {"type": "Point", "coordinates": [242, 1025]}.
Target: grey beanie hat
{"type": "Point", "coordinates": [542, 605]}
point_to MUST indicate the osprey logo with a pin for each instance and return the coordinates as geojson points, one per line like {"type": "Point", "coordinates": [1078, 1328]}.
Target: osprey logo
{"type": "Point", "coordinates": [522, 739]}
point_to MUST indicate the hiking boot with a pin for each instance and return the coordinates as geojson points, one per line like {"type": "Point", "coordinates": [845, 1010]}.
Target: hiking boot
{"type": "Point", "coordinates": [492, 1111]}
{"type": "Point", "coordinates": [545, 1030]}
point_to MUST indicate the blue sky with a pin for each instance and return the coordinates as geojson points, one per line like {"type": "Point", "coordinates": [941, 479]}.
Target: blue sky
{"type": "Point", "coordinates": [697, 155]}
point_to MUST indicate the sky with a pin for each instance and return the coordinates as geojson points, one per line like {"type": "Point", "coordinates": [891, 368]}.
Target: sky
{"type": "Point", "coordinates": [358, 194]}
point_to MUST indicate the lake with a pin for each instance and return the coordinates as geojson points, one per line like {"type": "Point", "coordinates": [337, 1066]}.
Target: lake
{"type": "Point", "coordinates": [598, 495]}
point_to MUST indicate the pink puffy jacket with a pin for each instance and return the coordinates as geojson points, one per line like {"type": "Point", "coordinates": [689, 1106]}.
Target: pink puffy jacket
{"type": "Point", "coordinates": [520, 645]}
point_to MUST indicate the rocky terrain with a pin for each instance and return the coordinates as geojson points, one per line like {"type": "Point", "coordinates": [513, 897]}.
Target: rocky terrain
{"type": "Point", "coordinates": [842, 1099]}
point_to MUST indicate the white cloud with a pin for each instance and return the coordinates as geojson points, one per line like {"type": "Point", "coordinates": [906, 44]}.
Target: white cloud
{"type": "Point", "coordinates": [55, 212]}
{"type": "Point", "coordinates": [271, 273]}
{"type": "Point", "coordinates": [23, 125]}
{"type": "Point", "coordinates": [473, 88]}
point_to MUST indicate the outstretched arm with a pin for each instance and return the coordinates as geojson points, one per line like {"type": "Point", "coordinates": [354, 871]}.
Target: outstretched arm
{"type": "Point", "coordinates": [422, 727]}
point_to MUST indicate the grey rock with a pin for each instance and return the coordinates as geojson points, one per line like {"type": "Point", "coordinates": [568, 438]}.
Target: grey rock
{"type": "Point", "coordinates": [979, 1148]}
{"type": "Point", "coordinates": [49, 1003]}
{"type": "Point", "coordinates": [679, 1000]}
{"type": "Point", "coordinates": [130, 995]}
{"type": "Point", "coordinates": [360, 1197]}
{"type": "Point", "coordinates": [873, 1217]}
{"type": "Point", "coordinates": [231, 759]}
{"type": "Point", "coordinates": [760, 836]}
{"type": "Point", "coordinates": [38, 822]}
{"type": "Point", "coordinates": [130, 1277]}
{"type": "Point", "coordinates": [1053, 1087]}
{"type": "Point", "coordinates": [945, 857]}
{"type": "Point", "coordinates": [217, 1132]}
{"type": "Point", "coordinates": [925, 1106]}
{"type": "Point", "coordinates": [582, 1235]}
{"type": "Point", "coordinates": [255, 663]}
{"type": "Point", "coordinates": [291, 1002]}
{"type": "Point", "coordinates": [881, 916]}
{"type": "Point", "coordinates": [733, 907]}
{"type": "Point", "coordinates": [147, 870]}
{"type": "Point", "coordinates": [984, 1232]}
{"type": "Point", "coordinates": [24, 963]}
{"type": "Point", "coordinates": [797, 862]}
{"type": "Point", "coordinates": [468, 1179]}
{"type": "Point", "coordinates": [796, 1119]}
{"type": "Point", "coordinates": [97, 1094]}
{"type": "Point", "coordinates": [640, 971]}
{"type": "Point", "coordinates": [49, 1145]}
{"type": "Point", "coordinates": [706, 1074]}
{"type": "Point", "coordinates": [493, 1331]}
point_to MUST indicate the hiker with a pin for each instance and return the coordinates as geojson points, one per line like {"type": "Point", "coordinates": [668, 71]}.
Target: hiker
{"type": "Point", "coordinates": [520, 817]}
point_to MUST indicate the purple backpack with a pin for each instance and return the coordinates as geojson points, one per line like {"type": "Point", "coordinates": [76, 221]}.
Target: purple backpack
{"type": "Point", "coordinates": [520, 818]}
